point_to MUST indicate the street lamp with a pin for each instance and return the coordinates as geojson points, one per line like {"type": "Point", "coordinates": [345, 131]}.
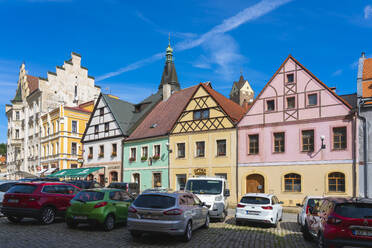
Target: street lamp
{"type": "Point", "coordinates": [322, 138]}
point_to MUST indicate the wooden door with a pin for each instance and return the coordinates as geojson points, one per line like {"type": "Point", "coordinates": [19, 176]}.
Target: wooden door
{"type": "Point", "coordinates": [255, 184]}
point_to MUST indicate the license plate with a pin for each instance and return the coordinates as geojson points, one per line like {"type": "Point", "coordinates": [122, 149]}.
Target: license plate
{"type": "Point", "coordinates": [13, 200]}
{"type": "Point", "coordinates": [253, 212]}
{"type": "Point", "coordinates": [362, 233]}
{"type": "Point", "coordinates": [80, 217]}
{"type": "Point", "coordinates": [145, 216]}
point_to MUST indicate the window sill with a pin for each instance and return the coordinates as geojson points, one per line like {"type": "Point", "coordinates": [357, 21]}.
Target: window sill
{"type": "Point", "coordinates": [312, 106]}
{"type": "Point", "coordinates": [335, 193]}
{"type": "Point", "coordinates": [278, 152]}
{"type": "Point", "coordinates": [181, 158]}
{"type": "Point", "coordinates": [292, 192]}
{"type": "Point", "coordinates": [339, 150]}
{"type": "Point", "coordinates": [199, 157]}
{"type": "Point", "coordinates": [252, 154]}
{"type": "Point", "coordinates": [221, 156]}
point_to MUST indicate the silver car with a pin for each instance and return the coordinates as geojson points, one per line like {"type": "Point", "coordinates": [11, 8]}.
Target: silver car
{"type": "Point", "coordinates": [174, 213]}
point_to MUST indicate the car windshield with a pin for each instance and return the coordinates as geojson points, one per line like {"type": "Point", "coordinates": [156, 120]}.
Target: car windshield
{"type": "Point", "coordinates": [255, 200]}
{"type": "Point", "coordinates": [355, 210]}
{"type": "Point", "coordinates": [155, 201]}
{"type": "Point", "coordinates": [22, 189]}
{"type": "Point", "coordinates": [212, 187]}
{"type": "Point", "coordinates": [88, 196]}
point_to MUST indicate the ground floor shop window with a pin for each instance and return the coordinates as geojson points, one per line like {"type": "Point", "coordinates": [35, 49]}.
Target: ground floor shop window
{"type": "Point", "coordinates": [101, 179]}
{"type": "Point", "coordinates": [156, 180]}
{"type": "Point", "coordinates": [114, 176]}
{"type": "Point", "coordinates": [336, 182]}
{"type": "Point", "coordinates": [181, 181]}
{"type": "Point", "coordinates": [136, 178]}
{"type": "Point", "coordinates": [221, 175]}
{"type": "Point", "coordinates": [292, 183]}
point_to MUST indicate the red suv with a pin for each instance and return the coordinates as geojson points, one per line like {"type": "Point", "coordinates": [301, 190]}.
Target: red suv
{"type": "Point", "coordinates": [40, 200]}
{"type": "Point", "coordinates": [340, 222]}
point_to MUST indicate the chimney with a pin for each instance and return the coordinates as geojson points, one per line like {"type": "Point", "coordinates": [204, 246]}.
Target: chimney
{"type": "Point", "coordinates": [167, 91]}
{"type": "Point", "coordinates": [360, 74]}
{"type": "Point", "coordinates": [76, 59]}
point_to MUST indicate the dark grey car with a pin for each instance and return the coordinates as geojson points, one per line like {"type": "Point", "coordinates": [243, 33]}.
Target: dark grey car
{"type": "Point", "coordinates": [174, 213]}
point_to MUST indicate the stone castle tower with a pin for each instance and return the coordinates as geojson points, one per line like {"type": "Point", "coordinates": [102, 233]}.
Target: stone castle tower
{"type": "Point", "coordinates": [242, 92]}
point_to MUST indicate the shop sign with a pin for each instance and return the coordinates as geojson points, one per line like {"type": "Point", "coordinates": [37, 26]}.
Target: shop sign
{"type": "Point", "coordinates": [200, 171]}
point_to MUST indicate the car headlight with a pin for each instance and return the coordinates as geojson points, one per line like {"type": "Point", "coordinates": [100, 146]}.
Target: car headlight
{"type": "Point", "coordinates": [218, 198]}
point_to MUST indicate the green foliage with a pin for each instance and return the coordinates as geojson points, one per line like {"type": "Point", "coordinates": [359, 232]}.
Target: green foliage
{"type": "Point", "coordinates": [2, 149]}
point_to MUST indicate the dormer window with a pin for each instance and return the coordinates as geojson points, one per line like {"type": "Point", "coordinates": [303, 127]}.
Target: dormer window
{"type": "Point", "coordinates": [270, 105]}
{"type": "Point", "coordinates": [201, 114]}
{"type": "Point", "coordinates": [312, 99]}
{"type": "Point", "coordinates": [290, 78]}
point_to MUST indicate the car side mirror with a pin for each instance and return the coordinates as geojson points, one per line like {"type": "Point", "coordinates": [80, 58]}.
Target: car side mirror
{"type": "Point", "coordinates": [226, 193]}
{"type": "Point", "coordinates": [299, 205]}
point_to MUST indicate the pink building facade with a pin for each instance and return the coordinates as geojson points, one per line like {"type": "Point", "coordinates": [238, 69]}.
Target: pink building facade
{"type": "Point", "coordinates": [297, 139]}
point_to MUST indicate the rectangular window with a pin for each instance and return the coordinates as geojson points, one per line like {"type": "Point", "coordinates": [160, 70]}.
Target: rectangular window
{"type": "Point", "coordinates": [312, 99]}
{"type": "Point", "coordinates": [17, 115]}
{"type": "Point", "coordinates": [101, 151]}
{"type": "Point", "coordinates": [157, 180]}
{"type": "Point", "coordinates": [114, 150]}
{"type": "Point", "coordinates": [279, 142]}
{"type": "Point", "coordinates": [145, 153]}
{"type": "Point", "coordinates": [156, 150]}
{"type": "Point", "coordinates": [291, 102]}
{"type": "Point", "coordinates": [74, 126]}
{"type": "Point", "coordinates": [90, 155]}
{"type": "Point", "coordinates": [101, 111]}
{"type": "Point", "coordinates": [133, 152]}
{"type": "Point", "coordinates": [201, 114]}
{"type": "Point", "coordinates": [17, 133]}
{"type": "Point", "coordinates": [270, 105]}
{"type": "Point", "coordinates": [221, 147]}
{"type": "Point", "coordinates": [181, 181]}
{"type": "Point", "coordinates": [339, 138]}
{"type": "Point", "coordinates": [73, 148]}
{"type": "Point", "coordinates": [107, 127]}
{"type": "Point", "coordinates": [290, 78]}
{"type": "Point", "coordinates": [96, 129]}
{"type": "Point", "coordinates": [181, 150]}
{"type": "Point", "coordinates": [74, 166]}
{"type": "Point", "coordinates": [308, 141]}
{"type": "Point", "coordinates": [221, 175]}
{"type": "Point", "coordinates": [200, 145]}
{"type": "Point", "coordinates": [253, 144]}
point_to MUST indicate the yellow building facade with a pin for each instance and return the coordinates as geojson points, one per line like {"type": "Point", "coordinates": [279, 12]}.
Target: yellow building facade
{"type": "Point", "coordinates": [204, 140]}
{"type": "Point", "coordinates": [62, 129]}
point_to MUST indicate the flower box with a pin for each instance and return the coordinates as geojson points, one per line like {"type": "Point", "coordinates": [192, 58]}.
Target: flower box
{"type": "Point", "coordinates": [156, 157]}
{"type": "Point", "coordinates": [90, 156]}
{"type": "Point", "coordinates": [132, 159]}
{"type": "Point", "coordinates": [143, 159]}
{"type": "Point", "coordinates": [100, 155]}
{"type": "Point", "coordinates": [114, 154]}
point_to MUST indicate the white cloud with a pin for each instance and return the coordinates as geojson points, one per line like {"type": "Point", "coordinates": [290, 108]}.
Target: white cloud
{"type": "Point", "coordinates": [251, 13]}
{"type": "Point", "coordinates": [368, 12]}
{"type": "Point", "coordinates": [337, 73]}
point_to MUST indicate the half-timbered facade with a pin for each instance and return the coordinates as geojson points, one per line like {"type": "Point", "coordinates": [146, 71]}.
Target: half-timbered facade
{"type": "Point", "coordinates": [203, 140]}
{"type": "Point", "coordinates": [297, 139]}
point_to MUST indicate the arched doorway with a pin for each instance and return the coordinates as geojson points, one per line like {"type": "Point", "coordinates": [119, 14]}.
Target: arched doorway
{"type": "Point", "coordinates": [255, 183]}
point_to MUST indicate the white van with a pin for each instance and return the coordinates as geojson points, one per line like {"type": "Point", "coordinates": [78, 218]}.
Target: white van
{"type": "Point", "coordinates": [213, 192]}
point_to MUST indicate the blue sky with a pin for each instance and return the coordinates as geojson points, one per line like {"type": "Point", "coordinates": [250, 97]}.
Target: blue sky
{"type": "Point", "coordinates": [122, 43]}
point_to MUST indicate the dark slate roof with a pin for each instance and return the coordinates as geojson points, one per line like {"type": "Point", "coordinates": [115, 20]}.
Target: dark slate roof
{"type": "Point", "coordinates": [170, 76]}
{"type": "Point", "coordinates": [126, 114]}
{"type": "Point", "coordinates": [240, 83]}
{"type": "Point", "coordinates": [161, 119]}
{"type": "Point", "coordinates": [18, 96]}
{"type": "Point", "coordinates": [352, 99]}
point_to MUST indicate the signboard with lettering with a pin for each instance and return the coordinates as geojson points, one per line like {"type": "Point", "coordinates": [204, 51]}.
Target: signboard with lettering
{"type": "Point", "coordinates": [200, 171]}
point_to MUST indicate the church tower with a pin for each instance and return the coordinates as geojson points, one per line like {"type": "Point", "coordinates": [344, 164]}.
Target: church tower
{"type": "Point", "coordinates": [169, 73]}
{"type": "Point", "coordinates": [242, 92]}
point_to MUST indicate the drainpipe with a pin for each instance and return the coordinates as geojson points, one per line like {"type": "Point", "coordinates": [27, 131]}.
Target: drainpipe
{"type": "Point", "coordinates": [168, 148]}
{"type": "Point", "coordinates": [237, 168]}
{"type": "Point", "coordinates": [365, 158]}
{"type": "Point", "coordinates": [354, 133]}
{"type": "Point", "coordinates": [122, 161]}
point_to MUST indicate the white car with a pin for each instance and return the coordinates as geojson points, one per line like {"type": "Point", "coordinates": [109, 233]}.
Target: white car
{"type": "Point", "coordinates": [257, 207]}
{"type": "Point", "coordinates": [309, 201]}
{"type": "Point", "coordinates": [4, 186]}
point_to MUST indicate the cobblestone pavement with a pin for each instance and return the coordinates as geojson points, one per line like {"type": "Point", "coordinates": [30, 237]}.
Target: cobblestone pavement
{"type": "Point", "coordinates": [30, 233]}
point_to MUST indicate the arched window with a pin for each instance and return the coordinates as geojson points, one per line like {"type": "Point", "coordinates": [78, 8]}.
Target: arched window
{"type": "Point", "coordinates": [336, 182]}
{"type": "Point", "coordinates": [114, 176]}
{"type": "Point", "coordinates": [292, 182]}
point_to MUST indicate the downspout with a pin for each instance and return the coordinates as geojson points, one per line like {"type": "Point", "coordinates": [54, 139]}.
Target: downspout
{"type": "Point", "coordinates": [237, 167]}
{"type": "Point", "coordinates": [169, 151]}
{"type": "Point", "coordinates": [122, 161]}
{"type": "Point", "coordinates": [354, 138]}
{"type": "Point", "coordinates": [365, 162]}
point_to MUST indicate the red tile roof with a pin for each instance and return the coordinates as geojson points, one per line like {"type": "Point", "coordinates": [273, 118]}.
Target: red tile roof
{"type": "Point", "coordinates": [367, 69]}
{"type": "Point", "coordinates": [33, 83]}
{"type": "Point", "coordinates": [232, 109]}
{"type": "Point", "coordinates": [78, 109]}
{"type": "Point", "coordinates": [162, 118]}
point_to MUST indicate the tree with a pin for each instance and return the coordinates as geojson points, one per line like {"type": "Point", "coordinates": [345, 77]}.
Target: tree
{"type": "Point", "coordinates": [3, 149]}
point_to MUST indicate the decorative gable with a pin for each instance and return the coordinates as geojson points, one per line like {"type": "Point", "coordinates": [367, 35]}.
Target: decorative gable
{"type": "Point", "coordinates": [294, 94]}
{"type": "Point", "coordinates": [202, 113]}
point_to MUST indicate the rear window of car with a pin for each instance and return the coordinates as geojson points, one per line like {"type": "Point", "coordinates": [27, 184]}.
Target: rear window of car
{"type": "Point", "coordinates": [313, 202]}
{"type": "Point", "coordinates": [255, 200]}
{"type": "Point", "coordinates": [354, 210]}
{"type": "Point", "coordinates": [88, 196]}
{"type": "Point", "coordinates": [155, 201]}
{"type": "Point", "coordinates": [6, 186]}
{"type": "Point", "coordinates": [22, 189]}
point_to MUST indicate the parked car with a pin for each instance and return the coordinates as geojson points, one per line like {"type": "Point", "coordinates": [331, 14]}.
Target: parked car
{"type": "Point", "coordinates": [4, 187]}
{"type": "Point", "coordinates": [214, 192]}
{"type": "Point", "coordinates": [40, 200]}
{"type": "Point", "coordinates": [309, 201]}
{"type": "Point", "coordinates": [174, 213]}
{"type": "Point", "coordinates": [40, 179]}
{"type": "Point", "coordinates": [340, 222]}
{"type": "Point", "coordinates": [261, 208]}
{"type": "Point", "coordinates": [85, 184]}
{"type": "Point", "coordinates": [105, 207]}
{"type": "Point", "coordinates": [131, 188]}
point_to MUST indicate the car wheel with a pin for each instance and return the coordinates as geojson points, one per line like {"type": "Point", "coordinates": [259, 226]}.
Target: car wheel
{"type": "Point", "coordinates": [15, 219]}
{"type": "Point", "coordinates": [306, 234]}
{"type": "Point", "coordinates": [207, 221]}
{"type": "Point", "coordinates": [188, 232]}
{"type": "Point", "coordinates": [135, 234]}
{"type": "Point", "coordinates": [71, 224]}
{"type": "Point", "coordinates": [275, 224]}
{"type": "Point", "coordinates": [238, 222]}
{"type": "Point", "coordinates": [109, 223]}
{"type": "Point", "coordinates": [48, 215]}
{"type": "Point", "coordinates": [321, 242]}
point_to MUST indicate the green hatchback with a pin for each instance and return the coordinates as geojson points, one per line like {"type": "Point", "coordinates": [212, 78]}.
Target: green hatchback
{"type": "Point", "coordinates": [105, 207]}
